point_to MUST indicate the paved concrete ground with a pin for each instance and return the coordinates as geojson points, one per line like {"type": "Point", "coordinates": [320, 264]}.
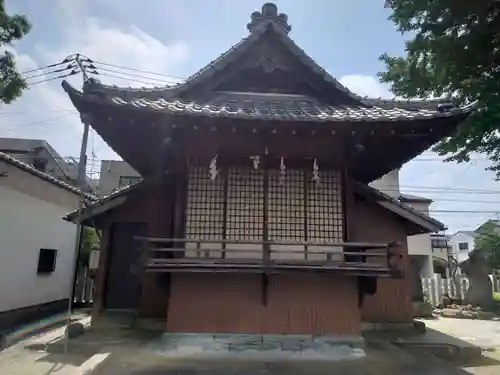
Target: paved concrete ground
{"type": "Point", "coordinates": [483, 333]}
{"type": "Point", "coordinates": [125, 352]}
{"type": "Point", "coordinates": [381, 359]}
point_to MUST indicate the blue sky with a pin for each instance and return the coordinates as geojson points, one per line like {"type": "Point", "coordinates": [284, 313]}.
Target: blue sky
{"type": "Point", "coordinates": [177, 37]}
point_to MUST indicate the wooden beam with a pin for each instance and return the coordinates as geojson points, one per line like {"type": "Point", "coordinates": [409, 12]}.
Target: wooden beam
{"type": "Point", "coordinates": [367, 245]}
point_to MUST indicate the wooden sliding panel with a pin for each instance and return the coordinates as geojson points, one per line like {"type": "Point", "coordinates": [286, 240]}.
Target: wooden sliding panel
{"type": "Point", "coordinates": [286, 213]}
{"type": "Point", "coordinates": [245, 211]}
{"type": "Point", "coordinates": [324, 212]}
{"type": "Point", "coordinates": [204, 212]}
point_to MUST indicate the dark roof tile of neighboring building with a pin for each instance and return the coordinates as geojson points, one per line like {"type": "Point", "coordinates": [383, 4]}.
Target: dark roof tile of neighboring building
{"type": "Point", "coordinates": [380, 196]}
{"type": "Point", "coordinates": [44, 176]}
{"type": "Point", "coordinates": [408, 198]}
{"type": "Point", "coordinates": [70, 216]}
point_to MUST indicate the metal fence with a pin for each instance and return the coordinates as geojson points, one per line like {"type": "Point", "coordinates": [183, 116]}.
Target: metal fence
{"type": "Point", "coordinates": [84, 291]}
{"type": "Point", "coordinates": [435, 287]}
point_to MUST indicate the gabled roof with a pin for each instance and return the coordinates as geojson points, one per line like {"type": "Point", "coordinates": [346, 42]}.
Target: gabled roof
{"type": "Point", "coordinates": [262, 106]}
{"type": "Point", "coordinates": [399, 208]}
{"type": "Point", "coordinates": [104, 204]}
{"type": "Point", "coordinates": [68, 169]}
{"type": "Point", "coordinates": [44, 176]}
{"type": "Point", "coordinates": [469, 233]}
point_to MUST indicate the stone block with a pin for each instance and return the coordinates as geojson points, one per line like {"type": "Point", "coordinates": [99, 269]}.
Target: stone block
{"type": "Point", "coordinates": [422, 309]}
{"type": "Point", "coordinates": [420, 327]}
{"type": "Point", "coordinates": [451, 313]}
{"type": "Point", "coordinates": [75, 329]}
{"type": "Point", "coordinates": [483, 315]}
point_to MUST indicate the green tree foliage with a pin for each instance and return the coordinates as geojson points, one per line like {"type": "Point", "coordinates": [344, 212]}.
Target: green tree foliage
{"type": "Point", "coordinates": [89, 241]}
{"type": "Point", "coordinates": [11, 28]}
{"type": "Point", "coordinates": [488, 240]}
{"type": "Point", "coordinates": [453, 49]}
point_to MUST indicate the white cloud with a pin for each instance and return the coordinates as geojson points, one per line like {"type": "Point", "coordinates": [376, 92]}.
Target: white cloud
{"type": "Point", "coordinates": [364, 85]}
{"type": "Point", "coordinates": [44, 111]}
{"type": "Point", "coordinates": [130, 47]}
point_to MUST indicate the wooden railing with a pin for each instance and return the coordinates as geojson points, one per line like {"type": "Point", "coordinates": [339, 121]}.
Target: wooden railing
{"type": "Point", "coordinates": [203, 255]}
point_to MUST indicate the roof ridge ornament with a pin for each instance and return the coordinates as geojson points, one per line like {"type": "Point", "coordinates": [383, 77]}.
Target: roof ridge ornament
{"type": "Point", "coordinates": [269, 13]}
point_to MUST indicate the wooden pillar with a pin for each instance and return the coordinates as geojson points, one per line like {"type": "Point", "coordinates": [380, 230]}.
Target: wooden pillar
{"type": "Point", "coordinates": [156, 286]}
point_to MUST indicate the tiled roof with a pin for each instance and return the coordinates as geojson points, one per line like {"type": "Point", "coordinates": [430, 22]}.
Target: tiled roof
{"type": "Point", "coordinates": [277, 107]}
{"type": "Point", "coordinates": [100, 202]}
{"type": "Point", "coordinates": [368, 190]}
{"type": "Point", "coordinates": [44, 176]}
{"type": "Point", "coordinates": [262, 106]}
{"type": "Point", "coordinates": [413, 198]}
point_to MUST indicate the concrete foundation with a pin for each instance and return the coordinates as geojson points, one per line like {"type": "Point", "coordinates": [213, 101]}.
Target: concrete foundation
{"type": "Point", "coordinates": [253, 346]}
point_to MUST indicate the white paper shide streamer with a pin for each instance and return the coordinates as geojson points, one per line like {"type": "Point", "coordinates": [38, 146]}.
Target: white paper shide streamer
{"type": "Point", "coordinates": [282, 171]}
{"type": "Point", "coordinates": [315, 172]}
{"type": "Point", "coordinates": [255, 161]}
{"type": "Point", "coordinates": [212, 168]}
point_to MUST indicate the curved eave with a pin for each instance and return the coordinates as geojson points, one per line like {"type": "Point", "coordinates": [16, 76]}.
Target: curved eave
{"type": "Point", "coordinates": [191, 109]}
{"type": "Point", "coordinates": [76, 96]}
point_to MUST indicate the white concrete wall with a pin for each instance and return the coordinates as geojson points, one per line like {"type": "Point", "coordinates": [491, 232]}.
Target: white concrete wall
{"type": "Point", "coordinates": [420, 244]}
{"type": "Point", "coordinates": [388, 184]}
{"type": "Point", "coordinates": [28, 224]}
{"type": "Point", "coordinates": [457, 238]}
{"type": "Point", "coordinates": [111, 171]}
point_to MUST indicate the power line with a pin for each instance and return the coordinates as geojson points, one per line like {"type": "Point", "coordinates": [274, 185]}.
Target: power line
{"type": "Point", "coordinates": [137, 70]}
{"type": "Point", "coordinates": [466, 211]}
{"type": "Point", "coordinates": [442, 160]}
{"type": "Point", "coordinates": [127, 79]}
{"type": "Point", "coordinates": [44, 67]}
{"type": "Point", "coordinates": [28, 112]}
{"type": "Point", "coordinates": [438, 188]}
{"type": "Point", "coordinates": [41, 121]}
{"type": "Point", "coordinates": [133, 75]}
{"type": "Point", "coordinates": [53, 78]}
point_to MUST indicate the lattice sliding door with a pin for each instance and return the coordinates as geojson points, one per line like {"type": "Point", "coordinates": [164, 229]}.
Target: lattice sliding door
{"type": "Point", "coordinates": [245, 211]}
{"type": "Point", "coordinates": [286, 213]}
{"type": "Point", "coordinates": [232, 207]}
{"type": "Point", "coordinates": [204, 211]}
{"type": "Point", "coordinates": [324, 212]}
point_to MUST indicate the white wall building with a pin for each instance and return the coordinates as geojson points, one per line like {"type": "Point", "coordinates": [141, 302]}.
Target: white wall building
{"type": "Point", "coordinates": [116, 174]}
{"type": "Point", "coordinates": [462, 243]}
{"type": "Point", "coordinates": [36, 244]}
{"type": "Point", "coordinates": [419, 246]}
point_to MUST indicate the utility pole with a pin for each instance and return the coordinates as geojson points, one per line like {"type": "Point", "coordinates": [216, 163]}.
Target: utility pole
{"type": "Point", "coordinates": [82, 165]}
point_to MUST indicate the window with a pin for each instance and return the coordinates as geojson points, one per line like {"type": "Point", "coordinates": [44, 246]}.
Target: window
{"type": "Point", "coordinates": [128, 180]}
{"type": "Point", "coordinates": [463, 246]}
{"type": "Point", "coordinates": [40, 164]}
{"type": "Point", "coordinates": [439, 243]}
{"type": "Point", "coordinates": [46, 261]}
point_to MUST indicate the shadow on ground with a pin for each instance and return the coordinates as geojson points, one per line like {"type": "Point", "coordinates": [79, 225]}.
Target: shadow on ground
{"type": "Point", "coordinates": [382, 359]}
{"type": "Point", "coordinates": [127, 352]}
{"type": "Point", "coordinates": [82, 348]}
